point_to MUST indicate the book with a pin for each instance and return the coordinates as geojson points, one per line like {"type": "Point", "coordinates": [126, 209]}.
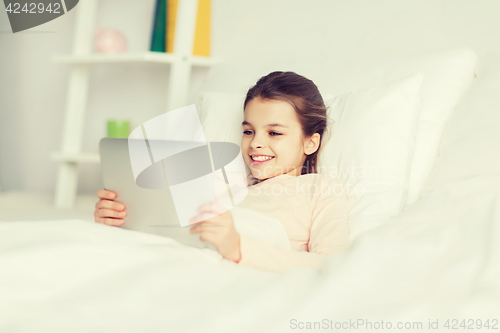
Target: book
{"type": "Point", "coordinates": [201, 45]}
{"type": "Point", "coordinates": [172, 13]}
{"type": "Point", "coordinates": [159, 26]}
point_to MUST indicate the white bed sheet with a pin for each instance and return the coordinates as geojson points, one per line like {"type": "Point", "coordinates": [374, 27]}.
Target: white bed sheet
{"type": "Point", "coordinates": [437, 260]}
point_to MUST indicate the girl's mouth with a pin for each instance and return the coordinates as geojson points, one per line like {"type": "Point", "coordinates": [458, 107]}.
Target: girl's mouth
{"type": "Point", "coordinates": [256, 160]}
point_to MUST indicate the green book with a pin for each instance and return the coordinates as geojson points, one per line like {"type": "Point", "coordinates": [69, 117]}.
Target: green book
{"type": "Point", "coordinates": [160, 22]}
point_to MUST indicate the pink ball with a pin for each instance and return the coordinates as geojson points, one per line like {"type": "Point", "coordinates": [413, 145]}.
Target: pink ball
{"type": "Point", "coordinates": [110, 41]}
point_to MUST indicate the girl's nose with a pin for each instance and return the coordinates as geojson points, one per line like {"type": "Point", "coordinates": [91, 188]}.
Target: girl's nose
{"type": "Point", "coordinates": [258, 141]}
{"type": "Point", "coordinates": [256, 144]}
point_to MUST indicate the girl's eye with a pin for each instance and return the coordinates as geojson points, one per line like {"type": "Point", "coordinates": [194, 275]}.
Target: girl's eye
{"type": "Point", "coordinates": [274, 133]}
{"type": "Point", "coordinates": [247, 132]}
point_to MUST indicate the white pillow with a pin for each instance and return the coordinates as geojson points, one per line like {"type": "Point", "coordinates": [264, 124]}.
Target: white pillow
{"type": "Point", "coordinates": [448, 74]}
{"type": "Point", "coordinates": [221, 115]}
{"type": "Point", "coordinates": [371, 149]}
{"type": "Point", "coordinates": [470, 145]}
{"type": "Point", "coordinates": [444, 83]}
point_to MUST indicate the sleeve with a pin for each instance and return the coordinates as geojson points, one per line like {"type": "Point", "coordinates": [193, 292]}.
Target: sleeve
{"type": "Point", "coordinates": [330, 216]}
{"type": "Point", "coordinates": [329, 234]}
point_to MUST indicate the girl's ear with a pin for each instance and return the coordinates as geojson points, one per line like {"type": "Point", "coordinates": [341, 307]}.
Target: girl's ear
{"type": "Point", "coordinates": [311, 144]}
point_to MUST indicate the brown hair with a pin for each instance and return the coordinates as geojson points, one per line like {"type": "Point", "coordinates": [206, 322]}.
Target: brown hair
{"type": "Point", "coordinates": [304, 97]}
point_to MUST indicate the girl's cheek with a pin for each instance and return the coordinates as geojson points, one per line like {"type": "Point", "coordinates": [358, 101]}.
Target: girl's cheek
{"type": "Point", "coordinates": [247, 161]}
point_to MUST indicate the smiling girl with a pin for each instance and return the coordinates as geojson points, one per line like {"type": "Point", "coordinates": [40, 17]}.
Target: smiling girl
{"type": "Point", "coordinates": [284, 123]}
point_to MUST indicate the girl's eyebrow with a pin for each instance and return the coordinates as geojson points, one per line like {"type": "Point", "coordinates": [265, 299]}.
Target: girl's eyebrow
{"type": "Point", "coordinates": [276, 125]}
{"type": "Point", "coordinates": [268, 125]}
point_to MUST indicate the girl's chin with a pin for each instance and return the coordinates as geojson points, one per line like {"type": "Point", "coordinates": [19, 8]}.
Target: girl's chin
{"type": "Point", "coordinates": [258, 174]}
{"type": "Point", "coordinates": [269, 173]}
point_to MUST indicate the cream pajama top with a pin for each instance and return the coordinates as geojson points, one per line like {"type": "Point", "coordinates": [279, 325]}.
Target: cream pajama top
{"type": "Point", "coordinates": [313, 209]}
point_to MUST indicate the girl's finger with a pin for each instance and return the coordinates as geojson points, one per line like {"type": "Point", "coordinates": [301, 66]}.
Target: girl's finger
{"type": "Point", "coordinates": [110, 221]}
{"type": "Point", "coordinates": [206, 225]}
{"type": "Point", "coordinates": [110, 205]}
{"type": "Point", "coordinates": [208, 217]}
{"type": "Point", "coordinates": [103, 212]}
{"type": "Point", "coordinates": [204, 228]}
{"type": "Point", "coordinates": [103, 194]}
{"type": "Point", "coordinates": [213, 206]}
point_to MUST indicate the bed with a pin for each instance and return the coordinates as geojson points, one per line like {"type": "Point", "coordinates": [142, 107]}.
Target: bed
{"type": "Point", "coordinates": [427, 265]}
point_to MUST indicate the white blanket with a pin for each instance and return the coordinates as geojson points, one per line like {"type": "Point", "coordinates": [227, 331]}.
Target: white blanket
{"type": "Point", "coordinates": [438, 260]}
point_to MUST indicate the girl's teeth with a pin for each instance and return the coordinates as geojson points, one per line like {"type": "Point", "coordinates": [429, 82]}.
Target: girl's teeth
{"type": "Point", "coordinates": [261, 158]}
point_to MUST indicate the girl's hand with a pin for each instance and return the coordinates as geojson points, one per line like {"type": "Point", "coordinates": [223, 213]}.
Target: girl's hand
{"type": "Point", "coordinates": [217, 227]}
{"type": "Point", "coordinates": [108, 211]}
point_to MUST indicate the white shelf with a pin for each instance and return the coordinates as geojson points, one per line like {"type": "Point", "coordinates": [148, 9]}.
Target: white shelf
{"type": "Point", "coordinates": [76, 157]}
{"type": "Point", "coordinates": [145, 57]}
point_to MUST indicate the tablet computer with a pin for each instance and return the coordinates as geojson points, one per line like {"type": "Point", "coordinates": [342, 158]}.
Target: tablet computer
{"type": "Point", "coordinates": [151, 209]}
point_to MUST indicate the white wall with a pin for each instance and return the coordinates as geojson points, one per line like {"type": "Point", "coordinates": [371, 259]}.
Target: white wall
{"type": "Point", "coordinates": [325, 40]}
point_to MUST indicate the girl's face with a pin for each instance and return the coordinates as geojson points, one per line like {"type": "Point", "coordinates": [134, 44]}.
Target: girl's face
{"type": "Point", "coordinates": [272, 142]}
